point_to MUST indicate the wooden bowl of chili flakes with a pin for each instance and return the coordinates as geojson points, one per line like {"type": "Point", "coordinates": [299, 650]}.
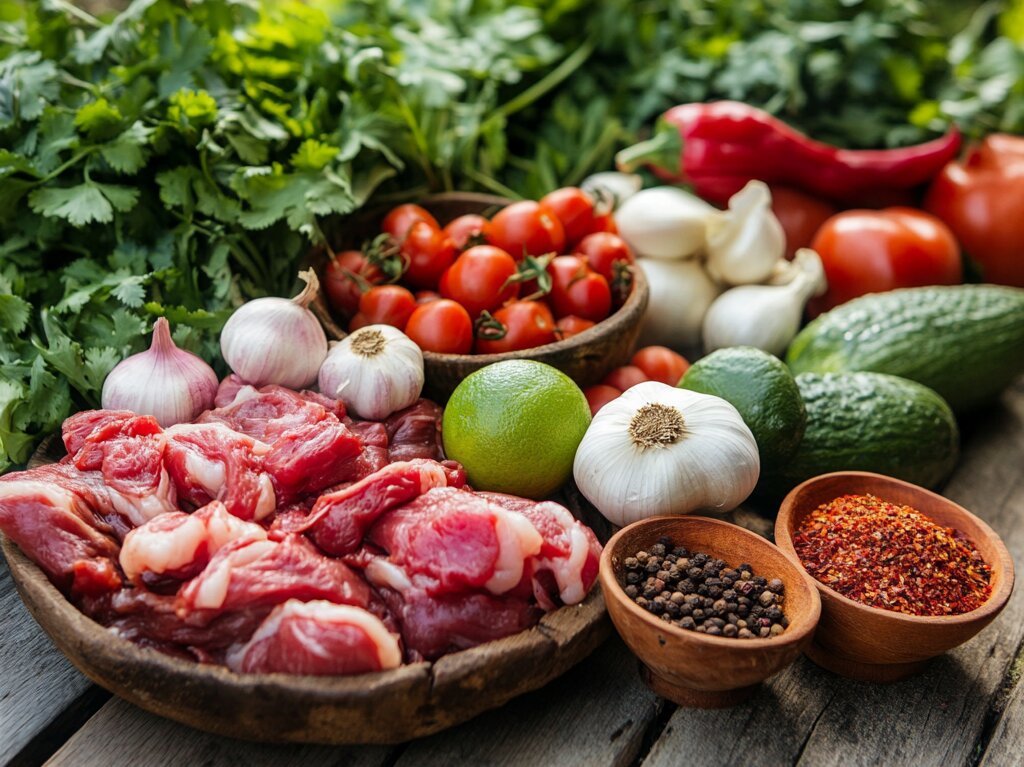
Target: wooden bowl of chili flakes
{"type": "Point", "coordinates": [907, 608]}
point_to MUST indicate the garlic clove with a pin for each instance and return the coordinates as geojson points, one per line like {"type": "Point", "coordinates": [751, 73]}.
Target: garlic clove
{"type": "Point", "coordinates": [664, 222]}
{"type": "Point", "coordinates": [168, 383]}
{"type": "Point", "coordinates": [746, 241]}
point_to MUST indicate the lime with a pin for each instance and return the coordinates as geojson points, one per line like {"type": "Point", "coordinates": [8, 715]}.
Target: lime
{"type": "Point", "coordinates": [763, 390]}
{"type": "Point", "coordinates": [515, 427]}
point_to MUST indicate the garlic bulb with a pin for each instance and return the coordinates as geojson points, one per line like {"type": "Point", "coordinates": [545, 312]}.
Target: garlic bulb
{"type": "Point", "coordinates": [664, 222]}
{"type": "Point", "coordinates": [168, 383]}
{"type": "Point", "coordinates": [765, 316]}
{"type": "Point", "coordinates": [745, 242]}
{"type": "Point", "coordinates": [276, 340]}
{"type": "Point", "coordinates": [662, 450]}
{"type": "Point", "coordinates": [612, 186]}
{"type": "Point", "coordinates": [375, 371]}
{"type": "Point", "coordinates": [680, 294]}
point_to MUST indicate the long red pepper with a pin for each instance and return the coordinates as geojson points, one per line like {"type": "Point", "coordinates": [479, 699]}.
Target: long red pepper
{"type": "Point", "coordinates": [725, 144]}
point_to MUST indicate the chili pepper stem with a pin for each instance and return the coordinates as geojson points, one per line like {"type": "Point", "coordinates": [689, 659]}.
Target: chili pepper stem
{"type": "Point", "coordinates": [663, 149]}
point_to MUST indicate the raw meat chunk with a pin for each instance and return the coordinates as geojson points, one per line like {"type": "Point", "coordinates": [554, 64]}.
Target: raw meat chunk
{"type": "Point", "coordinates": [210, 462]}
{"type": "Point", "coordinates": [317, 638]}
{"type": "Point", "coordinates": [454, 540]}
{"type": "Point", "coordinates": [177, 546]}
{"type": "Point", "coordinates": [266, 573]}
{"type": "Point", "coordinates": [339, 520]}
{"type": "Point", "coordinates": [415, 432]}
{"type": "Point", "coordinates": [91, 427]}
{"type": "Point", "coordinates": [49, 513]}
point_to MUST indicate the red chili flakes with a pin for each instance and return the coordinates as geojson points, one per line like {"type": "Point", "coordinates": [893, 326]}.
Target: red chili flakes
{"type": "Point", "coordinates": [892, 557]}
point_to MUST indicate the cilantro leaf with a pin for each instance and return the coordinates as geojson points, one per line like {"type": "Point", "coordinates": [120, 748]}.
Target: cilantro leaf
{"type": "Point", "coordinates": [128, 152]}
{"type": "Point", "coordinates": [79, 205]}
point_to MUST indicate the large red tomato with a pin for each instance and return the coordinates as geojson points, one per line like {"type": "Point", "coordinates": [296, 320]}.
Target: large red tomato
{"type": "Point", "coordinates": [871, 251]}
{"type": "Point", "coordinates": [800, 214]}
{"type": "Point", "coordinates": [982, 200]}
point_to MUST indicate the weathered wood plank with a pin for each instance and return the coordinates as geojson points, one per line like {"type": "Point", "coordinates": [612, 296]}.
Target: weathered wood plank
{"type": "Point", "coordinates": [37, 682]}
{"type": "Point", "coordinates": [120, 733]}
{"type": "Point", "coordinates": [1006, 747]}
{"type": "Point", "coordinates": [806, 715]}
{"type": "Point", "coordinates": [596, 714]}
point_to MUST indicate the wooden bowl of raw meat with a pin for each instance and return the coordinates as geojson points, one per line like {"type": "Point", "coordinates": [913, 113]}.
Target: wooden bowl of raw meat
{"type": "Point", "coordinates": [384, 707]}
{"type": "Point", "coordinates": [586, 357]}
{"type": "Point", "coordinates": [875, 645]}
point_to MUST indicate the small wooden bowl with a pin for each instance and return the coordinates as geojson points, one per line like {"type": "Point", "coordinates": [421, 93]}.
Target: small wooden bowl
{"type": "Point", "coordinates": [586, 357]}
{"type": "Point", "coordinates": [691, 668]}
{"type": "Point", "coordinates": [876, 645]}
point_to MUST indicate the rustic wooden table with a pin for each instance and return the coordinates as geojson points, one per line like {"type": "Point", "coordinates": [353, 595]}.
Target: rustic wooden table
{"type": "Point", "coordinates": [966, 709]}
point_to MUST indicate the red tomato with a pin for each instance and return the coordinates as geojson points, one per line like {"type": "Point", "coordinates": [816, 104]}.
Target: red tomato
{"type": "Point", "coordinates": [359, 320]}
{"type": "Point", "coordinates": [426, 296]}
{"type": "Point", "coordinates": [441, 326]}
{"type": "Point", "coordinates": [399, 220]}
{"type": "Point", "coordinates": [466, 231]}
{"type": "Point", "coordinates": [577, 289]}
{"type": "Point", "coordinates": [982, 200]}
{"type": "Point", "coordinates": [427, 252]}
{"type": "Point", "coordinates": [605, 223]}
{"type": "Point", "coordinates": [800, 214]}
{"type": "Point", "coordinates": [624, 377]}
{"type": "Point", "coordinates": [479, 279]}
{"type": "Point", "coordinates": [574, 208]}
{"type": "Point", "coordinates": [571, 325]}
{"type": "Point", "coordinates": [344, 278]}
{"type": "Point", "coordinates": [387, 305]}
{"type": "Point", "coordinates": [526, 324]}
{"type": "Point", "coordinates": [525, 228]}
{"type": "Point", "coordinates": [871, 251]}
{"type": "Point", "coordinates": [600, 395]}
{"type": "Point", "coordinates": [661, 364]}
{"type": "Point", "coordinates": [603, 250]}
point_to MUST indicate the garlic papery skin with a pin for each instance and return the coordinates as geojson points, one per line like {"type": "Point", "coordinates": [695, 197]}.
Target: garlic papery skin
{"type": "Point", "coordinates": [168, 383]}
{"type": "Point", "coordinates": [276, 340]}
{"type": "Point", "coordinates": [375, 371]}
{"type": "Point", "coordinates": [680, 293]}
{"type": "Point", "coordinates": [765, 316]}
{"type": "Point", "coordinates": [745, 242]}
{"type": "Point", "coordinates": [662, 450]}
{"type": "Point", "coordinates": [664, 222]}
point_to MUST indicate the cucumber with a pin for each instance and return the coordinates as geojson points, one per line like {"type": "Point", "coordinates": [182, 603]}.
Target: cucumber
{"type": "Point", "coordinates": [871, 422]}
{"type": "Point", "coordinates": [965, 341]}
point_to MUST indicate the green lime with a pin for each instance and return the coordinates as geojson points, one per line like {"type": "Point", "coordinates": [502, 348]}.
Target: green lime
{"type": "Point", "coordinates": [515, 427]}
{"type": "Point", "coordinates": [763, 390]}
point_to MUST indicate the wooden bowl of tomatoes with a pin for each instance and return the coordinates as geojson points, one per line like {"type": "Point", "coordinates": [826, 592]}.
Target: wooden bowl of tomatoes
{"type": "Point", "coordinates": [443, 271]}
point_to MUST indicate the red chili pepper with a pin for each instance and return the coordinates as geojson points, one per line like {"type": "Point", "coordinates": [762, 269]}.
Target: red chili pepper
{"type": "Point", "coordinates": [725, 144]}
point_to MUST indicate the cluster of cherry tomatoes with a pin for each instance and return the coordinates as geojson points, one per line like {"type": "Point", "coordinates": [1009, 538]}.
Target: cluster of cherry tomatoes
{"type": "Point", "coordinates": [534, 273]}
{"type": "Point", "coordinates": [651, 363]}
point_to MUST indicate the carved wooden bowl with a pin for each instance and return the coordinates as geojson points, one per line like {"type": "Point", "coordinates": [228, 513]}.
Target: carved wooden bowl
{"type": "Point", "coordinates": [384, 707]}
{"type": "Point", "coordinates": [586, 357]}
{"type": "Point", "coordinates": [876, 645]}
{"type": "Point", "coordinates": [695, 669]}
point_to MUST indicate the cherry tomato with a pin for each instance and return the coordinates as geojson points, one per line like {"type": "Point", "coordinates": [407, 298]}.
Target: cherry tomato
{"type": "Point", "coordinates": [525, 228]}
{"type": "Point", "coordinates": [577, 289]}
{"type": "Point", "coordinates": [574, 208]}
{"type": "Point", "coordinates": [466, 231]}
{"type": "Point", "coordinates": [427, 252]}
{"type": "Point", "coordinates": [387, 305]}
{"type": "Point", "coordinates": [526, 324]}
{"type": "Point", "coordinates": [426, 296]}
{"type": "Point", "coordinates": [624, 377]}
{"type": "Point", "coordinates": [981, 199]}
{"type": "Point", "coordinates": [441, 326]}
{"type": "Point", "coordinates": [603, 250]}
{"type": "Point", "coordinates": [571, 325]}
{"type": "Point", "coordinates": [800, 214]}
{"type": "Point", "coordinates": [604, 223]}
{"type": "Point", "coordinates": [661, 364]}
{"type": "Point", "coordinates": [344, 277]}
{"type": "Point", "coordinates": [479, 279]}
{"type": "Point", "coordinates": [399, 220]}
{"type": "Point", "coordinates": [871, 251]}
{"type": "Point", "coordinates": [600, 395]}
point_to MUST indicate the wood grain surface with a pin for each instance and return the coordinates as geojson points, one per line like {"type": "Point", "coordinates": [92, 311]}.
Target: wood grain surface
{"type": "Point", "coordinates": [966, 709]}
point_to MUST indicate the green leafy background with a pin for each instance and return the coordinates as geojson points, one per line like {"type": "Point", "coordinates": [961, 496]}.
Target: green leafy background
{"type": "Point", "coordinates": [179, 158]}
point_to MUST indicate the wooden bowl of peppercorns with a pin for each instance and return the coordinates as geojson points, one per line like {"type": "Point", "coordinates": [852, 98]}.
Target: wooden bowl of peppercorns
{"type": "Point", "coordinates": [710, 609]}
{"type": "Point", "coordinates": [915, 589]}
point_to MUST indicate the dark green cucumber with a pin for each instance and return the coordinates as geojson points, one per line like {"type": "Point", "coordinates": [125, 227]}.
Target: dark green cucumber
{"type": "Point", "coordinates": [871, 422]}
{"type": "Point", "coordinates": [965, 341]}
